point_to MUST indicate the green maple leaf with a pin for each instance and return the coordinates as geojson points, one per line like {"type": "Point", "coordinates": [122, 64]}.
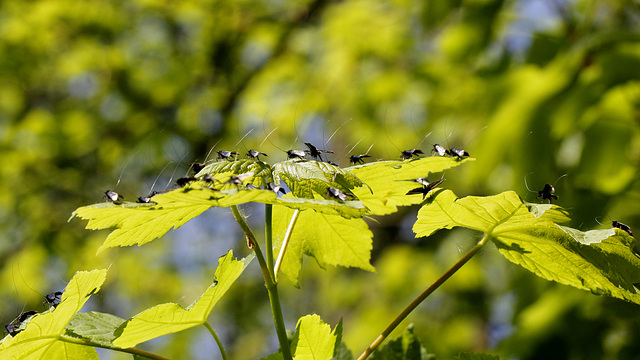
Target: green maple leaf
{"type": "Point", "coordinates": [600, 261]}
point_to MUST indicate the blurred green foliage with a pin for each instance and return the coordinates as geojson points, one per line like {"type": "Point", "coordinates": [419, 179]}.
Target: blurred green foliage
{"type": "Point", "coordinates": [98, 95]}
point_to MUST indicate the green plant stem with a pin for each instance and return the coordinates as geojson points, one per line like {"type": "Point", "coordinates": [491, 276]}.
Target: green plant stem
{"type": "Point", "coordinates": [422, 297]}
{"type": "Point", "coordinates": [133, 351]}
{"type": "Point", "coordinates": [268, 236]}
{"type": "Point", "coordinates": [285, 242]}
{"type": "Point", "coordinates": [217, 339]}
{"type": "Point", "coordinates": [272, 286]}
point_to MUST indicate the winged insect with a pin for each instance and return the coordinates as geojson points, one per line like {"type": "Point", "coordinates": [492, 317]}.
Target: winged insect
{"type": "Point", "coordinates": [439, 150]}
{"type": "Point", "coordinates": [459, 153]}
{"type": "Point", "coordinates": [621, 226]}
{"type": "Point", "coordinates": [114, 197]}
{"type": "Point", "coordinates": [426, 187]}
{"type": "Point", "coordinates": [255, 154]}
{"type": "Point", "coordinates": [357, 159]}
{"type": "Point", "coordinates": [224, 154]}
{"type": "Point", "coordinates": [276, 188]}
{"type": "Point", "coordinates": [17, 324]}
{"type": "Point", "coordinates": [409, 154]}
{"type": "Point", "coordinates": [239, 179]}
{"type": "Point", "coordinates": [338, 194]}
{"type": "Point", "coordinates": [316, 153]}
{"type": "Point", "coordinates": [292, 154]}
{"type": "Point", "coordinates": [185, 180]}
{"type": "Point", "coordinates": [548, 193]}
{"type": "Point", "coordinates": [53, 299]}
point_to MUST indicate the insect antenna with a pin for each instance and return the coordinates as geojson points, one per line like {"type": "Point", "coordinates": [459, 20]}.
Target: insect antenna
{"type": "Point", "coordinates": [525, 183]}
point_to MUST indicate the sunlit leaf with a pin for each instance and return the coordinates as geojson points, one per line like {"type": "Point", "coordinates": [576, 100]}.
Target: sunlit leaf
{"type": "Point", "coordinates": [170, 318]}
{"type": "Point", "coordinates": [222, 170]}
{"type": "Point", "coordinates": [601, 261]}
{"type": "Point", "coordinates": [330, 239]}
{"type": "Point", "coordinates": [142, 223]}
{"type": "Point", "coordinates": [314, 339]}
{"type": "Point", "coordinates": [41, 337]}
{"type": "Point", "coordinates": [308, 177]}
{"type": "Point", "coordinates": [389, 181]}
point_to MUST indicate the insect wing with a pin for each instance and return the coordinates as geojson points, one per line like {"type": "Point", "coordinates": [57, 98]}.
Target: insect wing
{"type": "Point", "coordinates": [437, 149]}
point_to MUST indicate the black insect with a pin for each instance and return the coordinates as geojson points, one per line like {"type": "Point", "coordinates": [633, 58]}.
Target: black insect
{"type": "Point", "coordinates": [548, 193]}
{"type": "Point", "coordinates": [238, 179]}
{"type": "Point", "coordinates": [207, 178]}
{"type": "Point", "coordinates": [292, 154]}
{"type": "Point", "coordinates": [114, 197]}
{"type": "Point", "coordinates": [53, 299]}
{"type": "Point", "coordinates": [185, 180]}
{"type": "Point", "coordinates": [457, 152]}
{"type": "Point", "coordinates": [255, 154]}
{"type": "Point", "coordinates": [409, 154]}
{"type": "Point", "coordinates": [223, 154]}
{"type": "Point", "coordinates": [437, 149]}
{"type": "Point", "coordinates": [338, 194]}
{"type": "Point", "coordinates": [355, 159]}
{"type": "Point", "coordinates": [197, 167]}
{"type": "Point", "coordinates": [426, 187]}
{"type": "Point", "coordinates": [16, 325]}
{"type": "Point", "coordinates": [276, 188]}
{"type": "Point", "coordinates": [146, 199]}
{"type": "Point", "coordinates": [315, 152]}
{"type": "Point", "coordinates": [621, 226]}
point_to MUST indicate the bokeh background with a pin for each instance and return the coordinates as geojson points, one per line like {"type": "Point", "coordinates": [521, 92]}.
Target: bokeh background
{"type": "Point", "coordinates": [123, 95]}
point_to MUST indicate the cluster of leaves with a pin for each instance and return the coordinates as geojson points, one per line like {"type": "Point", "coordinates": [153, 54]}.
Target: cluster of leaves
{"type": "Point", "coordinates": [334, 233]}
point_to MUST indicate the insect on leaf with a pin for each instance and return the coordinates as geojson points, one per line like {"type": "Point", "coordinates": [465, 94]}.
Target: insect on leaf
{"type": "Point", "coordinates": [388, 181]}
{"type": "Point", "coordinates": [141, 223]}
{"type": "Point", "coordinates": [600, 261]}
{"type": "Point", "coordinates": [41, 337]}
{"type": "Point", "coordinates": [170, 318]}
{"type": "Point", "coordinates": [306, 178]}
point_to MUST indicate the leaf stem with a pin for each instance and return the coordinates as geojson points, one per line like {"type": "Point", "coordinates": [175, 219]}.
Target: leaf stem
{"type": "Point", "coordinates": [422, 297]}
{"type": "Point", "coordinates": [285, 242]}
{"type": "Point", "coordinates": [133, 351]}
{"type": "Point", "coordinates": [272, 286]}
{"type": "Point", "coordinates": [268, 236]}
{"type": "Point", "coordinates": [217, 339]}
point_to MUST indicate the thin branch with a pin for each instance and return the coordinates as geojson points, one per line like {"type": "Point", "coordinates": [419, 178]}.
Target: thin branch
{"type": "Point", "coordinates": [422, 297]}
{"type": "Point", "coordinates": [217, 339]}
